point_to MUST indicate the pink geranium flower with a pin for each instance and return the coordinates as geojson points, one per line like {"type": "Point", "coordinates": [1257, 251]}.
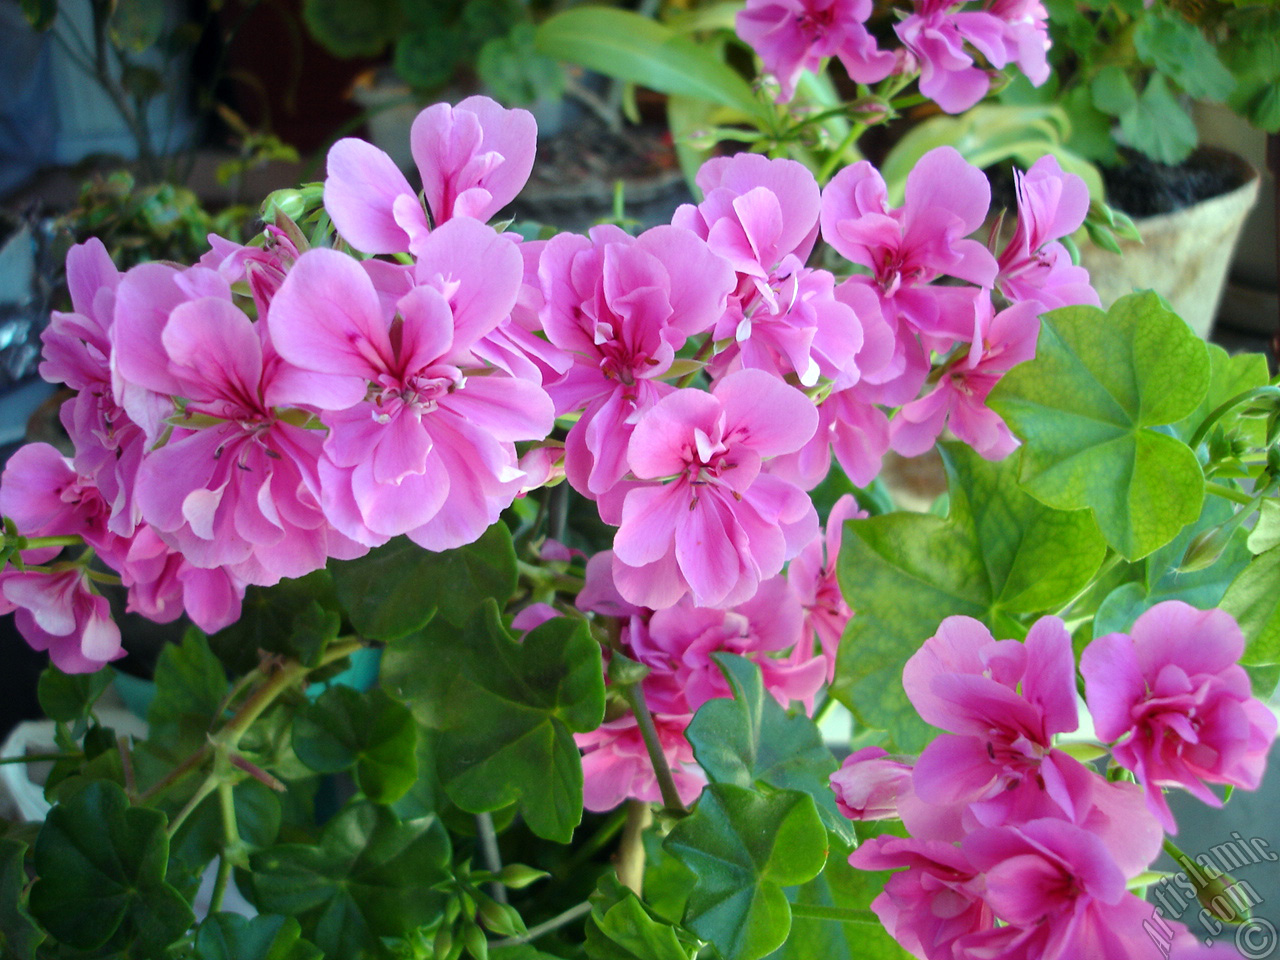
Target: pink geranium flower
{"type": "Point", "coordinates": [812, 575]}
{"type": "Point", "coordinates": [473, 159]}
{"type": "Point", "coordinates": [621, 307]}
{"type": "Point", "coordinates": [421, 436]}
{"type": "Point", "coordinates": [61, 613]}
{"type": "Point", "coordinates": [868, 784]}
{"type": "Point", "coordinates": [1177, 704]}
{"type": "Point", "coordinates": [795, 35]}
{"type": "Point", "coordinates": [931, 904]}
{"type": "Point", "coordinates": [616, 764]}
{"type": "Point", "coordinates": [721, 526]}
{"type": "Point", "coordinates": [1034, 266]}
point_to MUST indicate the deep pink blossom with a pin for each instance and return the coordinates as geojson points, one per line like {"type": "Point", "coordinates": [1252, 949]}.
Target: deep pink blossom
{"type": "Point", "coordinates": [473, 159]}
{"type": "Point", "coordinates": [1059, 893]}
{"type": "Point", "coordinates": [868, 784]}
{"type": "Point", "coordinates": [621, 307]}
{"type": "Point", "coordinates": [678, 644]}
{"type": "Point", "coordinates": [998, 342]}
{"type": "Point", "coordinates": [1034, 266]}
{"type": "Point", "coordinates": [721, 526]}
{"type": "Point", "coordinates": [795, 35]}
{"type": "Point", "coordinates": [931, 904]}
{"type": "Point", "coordinates": [162, 585]}
{"type": "Point", "coordinates": [936, 34]}
{"type": "Point", "coordinates": [1177, 704]}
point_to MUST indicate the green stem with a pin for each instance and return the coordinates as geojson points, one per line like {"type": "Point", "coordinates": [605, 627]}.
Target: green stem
{"type": "Point", "coordinates": [824, 707]}
{"type": "Point", "coordinates": [1228, 493]}
{"type": "Point", "coordinates": [644, 719]}
{"type": "Point", "coordinates": [816, 911]}
{"type": "Point", "coordinates": [488, 838]}
{"type": "Point", "coordinates": [555, 923]}
{"type": "Point", "coordinates": [856, 130]}
{"type": "Point", "coordinates": [197, 798]}
{"type": "Point", "coordinates": [631, 855]}
{"type": "Point", "coordinates": [1207, 424]}
{"type": "Point", "coordinates": [220, 884]}
{"type": "Point", "coordinates": [707, 345]}
{"type": "Point", "coordinates": [1110, 563]}
{"type": "Point", "coordinates": [40, 757]}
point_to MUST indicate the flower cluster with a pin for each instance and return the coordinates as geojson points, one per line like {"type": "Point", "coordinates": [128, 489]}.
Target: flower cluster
{"type": "Point", "coordinates": [249, 417]}
{"type": "Point", "coordinates": [938, 42]}
{"type": "Point", "coordinates": [1016, 848]}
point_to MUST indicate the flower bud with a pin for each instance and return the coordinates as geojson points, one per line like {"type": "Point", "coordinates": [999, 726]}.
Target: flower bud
{"type": "Point", "coordinates": [871, 110]}
{"type": "Point", "coordinates": [868, 784]}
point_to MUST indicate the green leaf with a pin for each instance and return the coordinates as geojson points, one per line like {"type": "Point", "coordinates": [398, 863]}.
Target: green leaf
{"type": "Point", "coordinates": [999, 552]}
{"type": "Point", "coordinates": [229, 936]}
{"type": "Point", "coordinates": [68, 697]}
{"type": "Point", "coordinates": [370, 731]}
{"type": "Point", "coordinates": [1158, 125]}
{"type": "Point", "coordinates": [1180, 51]}
{"type": "Point", "coordinates": [622, 928]}
{"type": "Point", "coordinates": [295, 618]}
{"type": "Point", "coordinates": [1266, 532]}
{"type": "Point", "coordinates": [1162, 580]}
{"type": "Point", "coordinates": [370, 876]}
{"type": "Point", "coordinates": [1254, 600]}
{"type": "Point", "coordinates": [631, 47]}
{"type": "Point", "coordinates": [397, 588]}
{"type": "Point", "coordinates": [744, 847]}
{"type": "Point", "coordinates": [1229, 376]}
{"type": "Point", "coordinates": [137, 25]}
{"type": "Point", "coordinates": [750, 740]}
{"type": "Point", "coordinates": [19, 934]}
{"type": "Point", "coordinates": [1089, 409]}
{"type": "Point", "coordinates": [352, 28]}
{"type": "Point", "coordinates": [426, 59]}
{"type": "Point", "coordinates": [1113, 91]}
{"type": "Point", "coordinates": [506, 712]}
{"type": "Point", "coordinates": [516, 73]}
{"type": "Point", "coordinates": [101, 867]}
{"type": "Point", "coordinates": [190, 686]}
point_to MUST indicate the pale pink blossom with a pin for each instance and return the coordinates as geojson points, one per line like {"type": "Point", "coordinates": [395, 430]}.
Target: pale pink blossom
{"type": "Point", "coordinates": [812, 575]}
{"type": "Point", "coordinates": [616, 764]}
{"type": "Point", "coordinates": [262, 267]}
{"type": "Point", "coordinates": [473, 159]}
{"type": "Point", "coordinates": [421, 438]}
{"type": "Point", "coordinates": [721, 526]}
{"type": "Point", "coordinates": [1177, 705]}
{"type": "Point", "coordinates": [61, 613]}
{"type": "Point", "coordinates": [795, 35]}
{"type": "Point", "coordinates": [868, 784]}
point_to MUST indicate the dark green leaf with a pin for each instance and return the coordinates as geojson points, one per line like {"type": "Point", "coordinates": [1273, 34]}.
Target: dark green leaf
{"type": "Point", "coordinates": [229, 936]}
{"type": "Point", "coordinates": [1091, 409]}
{"type": "Point", "coordinates": [68, 697]}
{"type": "Point", "coordinates": [190, 686]}
{"type": "Point", "coordinates": [999, 552]}
{"type": "Point", "coordinates": [750, 740]}
{"type": "Point", "coordinates": [295, 618]}
{"type": "Point", "coordinates": [399, 587]}
{"type": "Point", "coordinates": [744, 847]}
{"type": "Point", "coordinates": [506, 712]}
{"type": "Point", "coordinates": [101, 867]}
{"type": "Point", "coordinates": [1254, 600]}
{"type": "Point", "coordinates": [370, 876]}
{"type": "Point", "coordinates": [352, 28]}
{"type": "Point", "coordinates": [426, 59]}
{"type": "Point", "coordinates": [515, 72]}
{"type": "Point", "coordinates": [370, 731]}
{"type": "Point", "coordinates": [19, 934]}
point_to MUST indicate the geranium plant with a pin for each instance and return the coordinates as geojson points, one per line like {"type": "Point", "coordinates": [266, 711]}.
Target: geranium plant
{"type": "Point", "coordinates": [607, 507]}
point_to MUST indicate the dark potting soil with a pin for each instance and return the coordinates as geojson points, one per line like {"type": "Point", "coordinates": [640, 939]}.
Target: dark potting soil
{"type": "Point", "coordinates": [1141, 187]}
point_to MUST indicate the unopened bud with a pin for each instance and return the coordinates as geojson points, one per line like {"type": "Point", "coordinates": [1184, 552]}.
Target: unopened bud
{"type": "Point", "coordinates": [517, 876]}
{"type": "Point", "coordinates": [1206, 547]}
{"type": "Point", "coordinates": [871, 110]}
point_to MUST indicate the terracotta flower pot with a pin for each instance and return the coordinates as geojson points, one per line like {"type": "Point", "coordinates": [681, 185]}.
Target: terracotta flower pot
{"type": "Point", "coordinates": [1184, 255]}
